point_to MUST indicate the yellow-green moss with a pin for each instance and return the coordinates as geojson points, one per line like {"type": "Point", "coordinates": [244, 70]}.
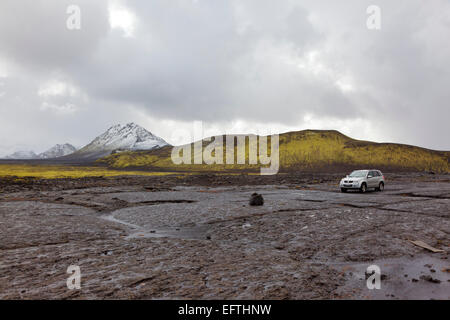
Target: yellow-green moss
{"type": "Point", "coordinates": [60, 171]}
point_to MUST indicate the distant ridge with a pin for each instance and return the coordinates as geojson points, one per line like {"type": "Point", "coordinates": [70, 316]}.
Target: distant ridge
{"type": "Point", "coordinates": [54, 152]}
{"type": "Point", "coordinates": [23, 155]}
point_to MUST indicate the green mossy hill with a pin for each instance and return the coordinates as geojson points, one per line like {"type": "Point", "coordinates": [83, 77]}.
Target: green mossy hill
{"type": "Point", "coordinates": [304, 150]}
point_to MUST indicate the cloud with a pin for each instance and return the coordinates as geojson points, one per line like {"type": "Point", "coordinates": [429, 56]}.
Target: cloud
{"type": "Point", "coordinates": [61, 109]}
{"type": "Point", "coordinates": [35, 37]}
{"type": "Point", "coordinates": [56, 88]}
{"type": "Point", "coordinates": [232, 64]}
{"type": "Point", "coordinates": [122, 18]}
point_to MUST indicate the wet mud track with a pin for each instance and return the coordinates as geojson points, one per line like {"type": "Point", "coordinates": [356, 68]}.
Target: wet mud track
{"type": "Point", "coordinates": [196, 241]}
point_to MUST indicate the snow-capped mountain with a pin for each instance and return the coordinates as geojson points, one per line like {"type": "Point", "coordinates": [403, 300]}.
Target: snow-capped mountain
{"type": "Point", "coordinates": [23, 155]}
{"type": "Point", "coordinates": [57, 151]}
{"type": "Point", "coordinates": [120, 138]}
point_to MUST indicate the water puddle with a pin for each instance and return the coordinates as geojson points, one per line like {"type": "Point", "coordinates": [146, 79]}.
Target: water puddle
{"type": "Point", "coordinates": [179, 232]}
{"type": "Point", "coordinates": [113, 219]}
{"type": "Point", "coordinates": [423, 277]}
{"type": "Point", "coordinates": [187, 233]}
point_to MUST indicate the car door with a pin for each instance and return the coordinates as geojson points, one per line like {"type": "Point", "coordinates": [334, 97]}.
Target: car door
{"type": "Point", "coordinates": [372, 179]}
{"type": "Point", "coordinates": [378, 175]}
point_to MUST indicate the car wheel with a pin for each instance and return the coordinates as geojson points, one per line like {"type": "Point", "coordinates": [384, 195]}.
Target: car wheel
{"type": "Point", "coordinates": [343, 190]}
{"type": "Point", "coordinates": [381, 187]}
{"type": "Point", "coordinates": [363, 188]}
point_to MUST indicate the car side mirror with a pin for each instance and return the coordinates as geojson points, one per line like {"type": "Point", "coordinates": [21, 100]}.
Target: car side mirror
{"type": "Point", "coordinates": [370, 176]}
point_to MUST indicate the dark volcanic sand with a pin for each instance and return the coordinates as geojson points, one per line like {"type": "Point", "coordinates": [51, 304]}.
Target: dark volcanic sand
{"type": "Point", "coordinates": [197, 237]}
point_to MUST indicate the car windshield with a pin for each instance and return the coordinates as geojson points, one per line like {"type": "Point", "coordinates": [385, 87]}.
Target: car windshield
{"type": "Point", "coordinates": [358, 173]}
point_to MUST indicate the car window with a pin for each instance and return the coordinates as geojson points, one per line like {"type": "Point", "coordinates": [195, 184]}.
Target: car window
{"type": "Point", "coordinates": [358, 173]}
{"type": "Point", "coordinates": [372, 173]}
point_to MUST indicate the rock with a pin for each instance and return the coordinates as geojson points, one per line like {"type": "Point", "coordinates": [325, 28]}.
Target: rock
{"type": "Point", "coordinates": [256, 200]}
{"type": "Point", "coordinates": [430, 279]}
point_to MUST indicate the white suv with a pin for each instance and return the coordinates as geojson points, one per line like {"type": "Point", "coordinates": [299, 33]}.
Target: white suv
{"type": "Point", "coordinates": [363, 180]}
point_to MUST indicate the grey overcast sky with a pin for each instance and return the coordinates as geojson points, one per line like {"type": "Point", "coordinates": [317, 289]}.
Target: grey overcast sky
{"type": "Point", "coordinates": [240, 66]}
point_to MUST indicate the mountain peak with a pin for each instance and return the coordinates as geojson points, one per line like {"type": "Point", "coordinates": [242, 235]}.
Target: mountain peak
{"type": "Point", "coordinates": [57, 151]}
{"type": "Point", "coordinates": [130, 136]}
{"type": "Point", "coordinates": [130, 125]}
